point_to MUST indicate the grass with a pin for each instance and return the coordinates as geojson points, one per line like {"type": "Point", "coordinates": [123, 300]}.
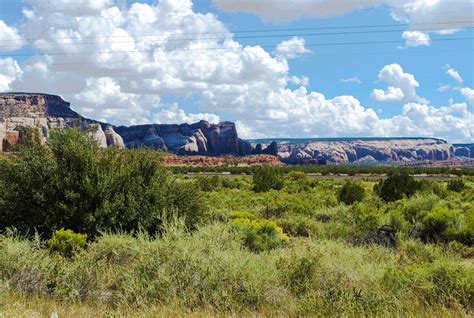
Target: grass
{"type": "Point", "coordinates": [211, 272]}
{"type": "Point", "coordinates": [208, 272]}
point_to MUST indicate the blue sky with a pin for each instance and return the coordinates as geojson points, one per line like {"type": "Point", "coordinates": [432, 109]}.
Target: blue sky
{"type": "Point", "coordinates": [306, 88]}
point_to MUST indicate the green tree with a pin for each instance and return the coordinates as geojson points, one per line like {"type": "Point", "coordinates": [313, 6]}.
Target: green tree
{"type": "Point", "coordinates": [266, 178]}
{"type": "Point", "coordinates": [456, 185]}
{"type": "Point", "coordinates": [76, 185]}
{"type": "Point", "coordinates": [396, 187]}
{"type": "Point", "coordinates": [350, 193]}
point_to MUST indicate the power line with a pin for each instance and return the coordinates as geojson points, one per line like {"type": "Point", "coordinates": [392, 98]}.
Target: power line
{"type": "Point", "coordinates": [263, 31]}
{"type": "Point", "coordinates": [262, 57]}
{"type": "Point", "coordinates": [220, 48]}
{"type": "Point", "coordinates": [250, 37]}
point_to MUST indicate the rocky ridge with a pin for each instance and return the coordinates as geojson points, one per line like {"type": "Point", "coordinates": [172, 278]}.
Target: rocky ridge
{"type": "Point", "coordinates": [364, 151]}
{"type": "Point", "coordinates": [46, 112]}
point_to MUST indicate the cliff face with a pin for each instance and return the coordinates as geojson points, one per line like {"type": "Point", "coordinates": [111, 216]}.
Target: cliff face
{"type": "Point", "coordinates": [362, 151]}
{"type": "Point", "coordinates": [44, 112]}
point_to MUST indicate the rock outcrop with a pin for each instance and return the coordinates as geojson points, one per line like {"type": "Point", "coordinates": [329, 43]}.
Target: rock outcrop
{"type": "Point", "coordinates": [361, 151]}
{"type": "Point", "coordinates": [198, 138]}
{"type": "Point", "coordinates": [464, 150]}
{"type": "Point", "coordinates": [95, 130]}
{"type": "Point", "coordinates": [113, 139]}
{"type": "Point", "coordinates": [45, 112]}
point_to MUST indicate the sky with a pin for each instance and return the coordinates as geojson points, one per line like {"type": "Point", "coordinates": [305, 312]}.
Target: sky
{"type": "Point", "coordinates": [278, 68]}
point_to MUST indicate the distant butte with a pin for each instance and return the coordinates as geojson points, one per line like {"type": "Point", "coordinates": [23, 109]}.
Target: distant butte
{"type": "Point", "coordinates": [46, 112]}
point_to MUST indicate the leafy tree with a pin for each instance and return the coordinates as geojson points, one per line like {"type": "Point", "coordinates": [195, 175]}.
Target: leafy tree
{"type": "Point", "coordinates": [74, 184]}
{"type": "Point", "coordinates": [350, 193]}
{"type": "Point", "coordinates": [456, 185]}
{"type": "Point", "coordinates": [396, 187]}
{"type": "Point", "coordinates": [266, 178]}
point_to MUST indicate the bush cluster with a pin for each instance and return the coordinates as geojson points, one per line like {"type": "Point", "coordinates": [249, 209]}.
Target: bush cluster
{"type": "Point", "coordinates": [397, 186]}
{"type": "Point", "coordinates": [350, 193]}
{"type": "Point", "coordinates": [74, 184]}
{"type": "Point", "coordinates": [267, 178]}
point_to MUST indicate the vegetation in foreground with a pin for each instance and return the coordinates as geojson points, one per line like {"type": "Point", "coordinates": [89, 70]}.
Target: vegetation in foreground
{"type": "Point", "coordinates": [86, 232]}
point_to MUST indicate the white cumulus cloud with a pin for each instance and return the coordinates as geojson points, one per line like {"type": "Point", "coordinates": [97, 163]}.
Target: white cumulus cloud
{"type": "Point", "coordinates": [353, 80]}
{"type": "Point", "coordinates": [415, 38]}
{"type": "Point", "coordinates": [402, 85]}
{"type": "Point", "coordinates": [141, 55]}
{"type": "Point", "coordinates": [10, 39]}
{"type": "Point", "coordinates": [453, 74]}
{"type": "Point", "coordinates": [292, 48]}
{"type": "Point", "coordinates": [9, 72]}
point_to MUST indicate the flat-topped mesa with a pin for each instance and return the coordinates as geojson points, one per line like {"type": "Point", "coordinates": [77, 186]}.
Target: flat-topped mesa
{"type": "Point", "coordinates": [44, 112]}
{"type": "Point", "coordinates": [363, 150]}
{"type": "Point", "coordinates": [31, 105]}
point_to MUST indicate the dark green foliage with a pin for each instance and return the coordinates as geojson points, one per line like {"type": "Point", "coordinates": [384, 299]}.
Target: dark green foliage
{"type": "Point", "coordinates": [207, 184]}
{"type": "Point", "coordinates": [396, 187]}
{"type": "Point", "coordinates": [267, 178]}
{"type": "Point", "coordinates": [439, 225]}
{"type": "Point", "coordinates": [28, 136]}
{"type": "Point", "coordinates": [75, 185]}
{"type": "Point", "coordinates": [333, 169]}
{"type": "Point", "coordinates": [66, 242]}
{"type": "Point", "coordinates": [456, 185]}
{"type": "Point", "coordinates": [350, 193]}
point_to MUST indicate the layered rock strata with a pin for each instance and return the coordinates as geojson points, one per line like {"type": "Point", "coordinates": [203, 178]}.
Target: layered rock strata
{"type": "Point", "coordinates": [45, 112]}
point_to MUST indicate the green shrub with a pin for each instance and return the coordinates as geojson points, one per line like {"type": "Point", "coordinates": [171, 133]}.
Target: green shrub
{"type": "Point", "coordinates": [299, 226]}
{"type": "Point", "coordinates": [74, 184]}
{"type": "Point", "coordinates": [207, 184]}
{"type": "Point", "coordinates": [456, 185]}
{"type": "Point", "coordinates": [396, 187]}
{"type": "Point", "coordinates": [297, 176]}
{"type": "Point", "coordinates": [242, 215]}
{"type": "Point", "coordinates": [350, 193]}
{"type": "Point", "coordinates": [439, 224]}
{"type": "Point", "coordinates": [267, 178]}
{"type": "Point", "coordinates": [260, 235]}
{"type": "Point", "coordinates": [66, 242]}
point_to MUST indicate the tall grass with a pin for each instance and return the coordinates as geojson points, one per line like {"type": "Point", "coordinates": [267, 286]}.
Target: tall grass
{"type": "Point", "coordinates": [211, 271]}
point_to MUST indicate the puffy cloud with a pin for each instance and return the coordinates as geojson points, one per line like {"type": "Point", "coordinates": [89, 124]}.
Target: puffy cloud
{"type": "Point", "coordinates": [281, 10]}
{"type": "Point", "coordinates": [10, 39]}
{"type": "Point", "coordinates": [453, 121]}
{"type": "Point", "coordinates": [468, 93]}
{"type": "Point", "coordinates": [444, 88]}
{"type": "Point", "coordinates": [456, 14]}
{"type": "Point", "coordinates": [174, 115]}
{"type": "Point", "coordinates": [444, 16]}
{"type": "Point", "coordinates": [402, 86]}
{"type": "Point", "coordinates": [292, 48]}
{"type": "Point", "coordinates": [416, 38]}
{"type": "Point", "coordinates": [9, 72]}
{"type": "Point", "coordinates": [104, 100]}
{"type": "Point", "coordinates": [139, 56]}
{"type": "Point", "coordinates": [353, 80]}
{"type": "Point", "coordinates": [453, 74]}
{"type": "Point", "coordinates": [392, 94]}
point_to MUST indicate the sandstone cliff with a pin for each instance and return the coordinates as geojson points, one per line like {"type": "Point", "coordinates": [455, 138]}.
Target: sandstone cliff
{"type": "Point", "coordinates": [361, 151]}
{"type": "Point", "coordinates": [45, 112]}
